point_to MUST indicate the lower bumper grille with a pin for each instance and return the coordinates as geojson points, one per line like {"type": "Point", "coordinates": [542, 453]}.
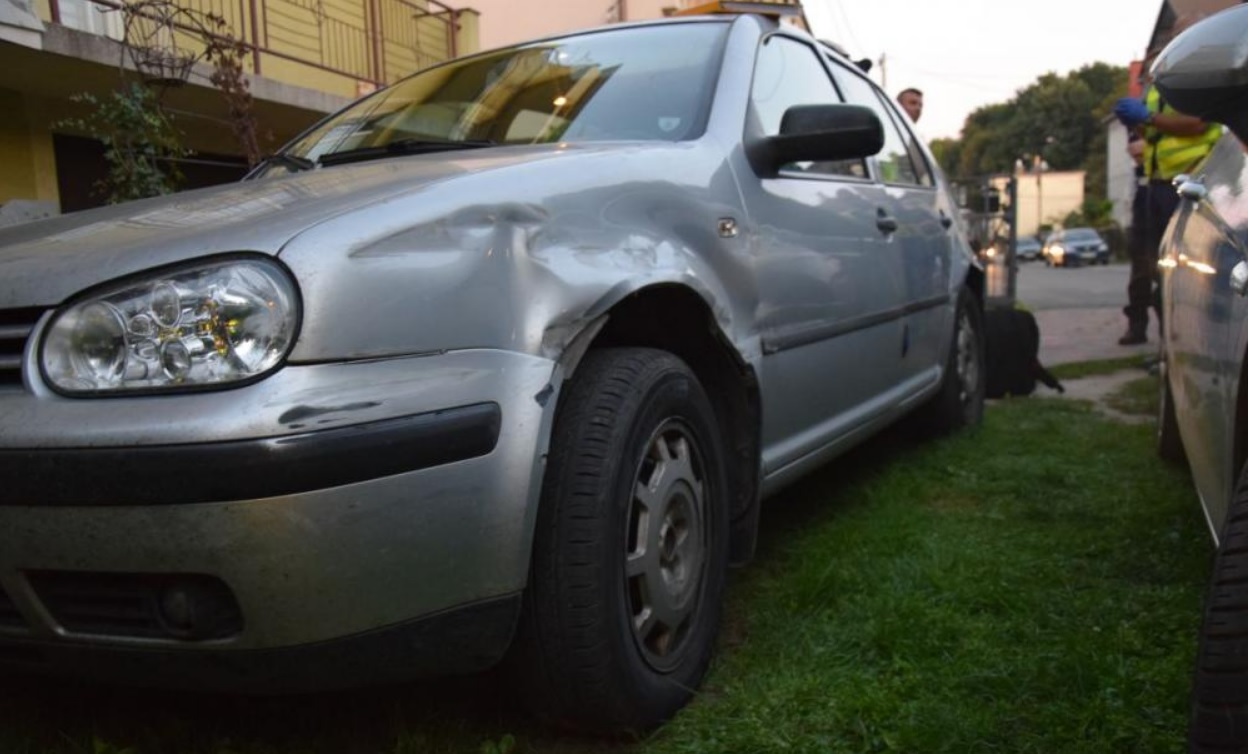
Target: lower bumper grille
{"type": "Point", "coordinates": [9, 616]}
{"type": "Point", "coordinates": [15, 328]}
{"type": "Point", "coordinates": [166, 606]}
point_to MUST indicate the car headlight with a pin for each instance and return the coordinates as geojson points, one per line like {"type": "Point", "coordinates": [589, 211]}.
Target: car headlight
{"type": "Point", "coordinates": [215, 323]}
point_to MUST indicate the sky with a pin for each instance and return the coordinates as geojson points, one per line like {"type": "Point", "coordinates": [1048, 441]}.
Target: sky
{"type": "Point", "coordinates": [964, 54]}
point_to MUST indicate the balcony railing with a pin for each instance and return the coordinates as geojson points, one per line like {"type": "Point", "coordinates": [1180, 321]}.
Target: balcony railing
{"type": "Point", "coordinates": [374, 42]}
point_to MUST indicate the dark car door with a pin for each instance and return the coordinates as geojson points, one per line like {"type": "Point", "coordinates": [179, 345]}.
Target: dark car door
{"type": "Point", "coordinates": [1205, 319]}
{"type": "Point", "coordinates": [828, 309]}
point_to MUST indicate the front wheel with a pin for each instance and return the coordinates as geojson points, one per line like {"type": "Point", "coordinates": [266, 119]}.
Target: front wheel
{"type": "Point", "coordinates": [630, 550]}
{"type": "Point", "coordinates": [1218, 719]}
{"type": "Point", "coordinates": [960, 402]}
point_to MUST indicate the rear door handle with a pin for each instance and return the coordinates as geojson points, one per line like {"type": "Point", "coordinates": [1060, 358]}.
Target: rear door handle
{"type": "Point", "coordinates": [886, 222]}
{"type": "Point", "coordinates": [1192, 189]}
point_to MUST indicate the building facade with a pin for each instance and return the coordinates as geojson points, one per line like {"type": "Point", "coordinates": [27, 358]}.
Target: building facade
{"type": "Point", "coordinates": [505, 22]}
{"type": "Point", "coordinates": [1043, 197]}
{"type": "Point", "coordinates": [304, 58]}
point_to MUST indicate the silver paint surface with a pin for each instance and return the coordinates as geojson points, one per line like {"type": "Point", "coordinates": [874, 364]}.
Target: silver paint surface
{"type": "Point", "coordinates": [1204, 340]}
{"type": "Point", "coordinates": [440, 280]}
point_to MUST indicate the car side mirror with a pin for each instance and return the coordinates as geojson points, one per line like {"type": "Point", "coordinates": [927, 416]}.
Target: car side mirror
{"type": "Point", "coordinates": [1202, 71]}
{"type": "Point", "coordinates": [818, 133]}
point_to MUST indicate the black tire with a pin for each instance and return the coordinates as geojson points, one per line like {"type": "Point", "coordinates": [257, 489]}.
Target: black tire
{"type": "Point", "coordinates": [960, 402]}
{"type": "Point", "coordinates": [630, 550]}
{"type": "Point", "coordinates": [1169, 444]}
{"type": "Point", "coordinates": [1218, 719]}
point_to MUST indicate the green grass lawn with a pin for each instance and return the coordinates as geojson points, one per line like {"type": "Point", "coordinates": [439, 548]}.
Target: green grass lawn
{"type": "Point", "coordinates": [1033, 586]}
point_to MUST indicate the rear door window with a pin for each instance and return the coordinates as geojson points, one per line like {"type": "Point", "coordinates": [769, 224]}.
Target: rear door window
{"type": "Point", "coordinates": [894, 160]}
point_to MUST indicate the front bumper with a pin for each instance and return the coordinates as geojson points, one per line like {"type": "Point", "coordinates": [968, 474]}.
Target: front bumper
{"type": "Point", "coordinates": [1074, 257]}
{"type": "Point", "coordinates": [357, 504]}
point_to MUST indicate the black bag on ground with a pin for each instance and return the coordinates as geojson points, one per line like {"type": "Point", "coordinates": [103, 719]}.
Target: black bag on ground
{"type": "Point", "coordinates": [1011, 343]}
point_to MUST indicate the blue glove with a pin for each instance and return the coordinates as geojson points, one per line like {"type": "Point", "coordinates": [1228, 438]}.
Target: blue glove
{"type": "Point", "coordinates": [1131, 112]}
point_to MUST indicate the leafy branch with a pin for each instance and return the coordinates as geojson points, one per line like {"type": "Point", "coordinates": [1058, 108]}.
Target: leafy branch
{"type": "Point", "coordinates": [140, 141]}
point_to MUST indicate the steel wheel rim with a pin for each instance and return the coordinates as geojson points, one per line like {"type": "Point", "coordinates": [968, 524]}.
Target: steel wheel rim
{"type": "Point", "coordinates": [666, 546]}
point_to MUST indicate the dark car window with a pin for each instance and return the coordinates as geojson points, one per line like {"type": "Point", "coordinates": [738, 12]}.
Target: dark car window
{"type": "Point", "coordinates": [894, 160]}
{"type": "Point", "coordinates": [788, 73]}
{"type": "Point", "coordinates": [647, 83]}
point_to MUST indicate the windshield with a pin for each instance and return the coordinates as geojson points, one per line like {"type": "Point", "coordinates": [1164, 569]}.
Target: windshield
{"type": "Point", "coordinates": [649, 82]}
{"type": "Point", "coordinates": [1081, 234]}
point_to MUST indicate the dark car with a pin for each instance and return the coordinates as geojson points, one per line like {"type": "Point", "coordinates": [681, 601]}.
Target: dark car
{"type": "Point", "coordinates": [1202, 408]}
{"type": "Point", "coordinates": [1027, 249]}
{"type": "Point", "coordinates": [1073, 247]}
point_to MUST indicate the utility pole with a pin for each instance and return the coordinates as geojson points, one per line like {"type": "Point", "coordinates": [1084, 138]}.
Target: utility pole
{"type": "Point", "coordinates": [1012, 217]}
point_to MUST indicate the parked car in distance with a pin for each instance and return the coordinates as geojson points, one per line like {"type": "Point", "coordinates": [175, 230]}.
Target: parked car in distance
{"type": "Point", "coordinates": [1027, 249]}
{"type": "Point", "coordinates": [495, 363]}
{"type": "Point", "coordinates": [1202, 404]}
{"type": "Point", "coordinates": [1072, 247]}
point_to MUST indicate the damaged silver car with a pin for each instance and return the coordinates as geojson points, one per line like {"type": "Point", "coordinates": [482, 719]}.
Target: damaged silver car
{"type": "Point", "coordinates": [495, 364]}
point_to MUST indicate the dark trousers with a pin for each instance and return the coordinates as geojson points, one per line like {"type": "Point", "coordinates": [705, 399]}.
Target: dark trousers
{"type": "Point", "coordinates": [1152, 207]}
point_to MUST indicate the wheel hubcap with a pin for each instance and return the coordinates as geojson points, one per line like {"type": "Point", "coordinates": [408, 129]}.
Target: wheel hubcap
{"type": "Point", "coordinates": [967, 364]}
{"type": "Point", "coordinates": [666, 548]}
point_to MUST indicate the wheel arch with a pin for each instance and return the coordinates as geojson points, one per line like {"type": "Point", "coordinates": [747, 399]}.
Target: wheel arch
{"type": "Point", "coordinates": [975, 281]}
{"type": "Point", "coordinates": [676, 319]}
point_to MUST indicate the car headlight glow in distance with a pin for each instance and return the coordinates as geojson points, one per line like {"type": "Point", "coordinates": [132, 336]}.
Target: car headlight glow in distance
{"type": "Point", "coordinates": [211, 324]}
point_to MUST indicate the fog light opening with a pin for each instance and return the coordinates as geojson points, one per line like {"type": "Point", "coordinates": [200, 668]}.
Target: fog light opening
{"type": "Point", "coordinates": [198, 610]}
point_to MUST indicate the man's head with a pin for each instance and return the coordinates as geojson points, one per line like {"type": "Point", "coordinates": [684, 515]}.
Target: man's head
{"type": "Point", "coordinates": [912, 101]}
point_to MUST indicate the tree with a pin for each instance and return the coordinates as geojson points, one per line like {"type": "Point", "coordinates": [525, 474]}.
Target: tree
{"type": "Point", "coordinates": [142, 145]}
{"type": "Point", "coordinates": [140, 142]}
{"type": "Point", "coordinates": [1057, 119]}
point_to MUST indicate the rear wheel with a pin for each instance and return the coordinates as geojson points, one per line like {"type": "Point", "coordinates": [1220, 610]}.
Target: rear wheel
{"type": "Point", "coordinates": [630, 551]}
{"type": "Point", "coordinates": [1219, 684]}
{"type": "Point", "coordinates": [960, 402]}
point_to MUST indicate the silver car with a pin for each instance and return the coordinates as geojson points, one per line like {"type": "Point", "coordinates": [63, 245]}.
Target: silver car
{"type": "Point", "coordinates": [1202, 410]}
{"type": "Point", "coordinates": [496, 362]}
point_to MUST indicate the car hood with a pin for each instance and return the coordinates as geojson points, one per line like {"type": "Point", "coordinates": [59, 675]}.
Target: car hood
{"type": "Point", "coordinates": [43, 263]}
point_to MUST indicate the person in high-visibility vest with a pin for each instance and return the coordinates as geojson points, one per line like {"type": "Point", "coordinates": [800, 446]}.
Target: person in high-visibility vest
{"type": "Point", "coordinates": [1174, 143]}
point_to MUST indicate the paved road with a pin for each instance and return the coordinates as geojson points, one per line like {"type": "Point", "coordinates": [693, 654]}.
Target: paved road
{"type": "Point", "coordinates": [1039, 287]}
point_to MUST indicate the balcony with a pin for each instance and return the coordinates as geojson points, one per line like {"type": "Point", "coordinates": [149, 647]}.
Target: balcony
{"type": "Point", "coordinates": [344, 47]}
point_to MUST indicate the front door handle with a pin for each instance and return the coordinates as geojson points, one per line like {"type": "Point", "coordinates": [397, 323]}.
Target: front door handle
{"type": "Point", "coordinates": [886, 222]}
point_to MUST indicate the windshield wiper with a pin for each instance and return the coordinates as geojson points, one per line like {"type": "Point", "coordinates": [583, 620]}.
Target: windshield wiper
{"type": "Point", "coordinates": [402, 146]}
{"type": "Point", "coordinates": [291, 162]}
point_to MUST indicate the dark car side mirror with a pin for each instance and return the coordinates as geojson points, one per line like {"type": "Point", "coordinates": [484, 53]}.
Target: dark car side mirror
{"type": "Point", "coordinates": [1202, 71]}
{"type": "Point", "coordinates": [817, 133]}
